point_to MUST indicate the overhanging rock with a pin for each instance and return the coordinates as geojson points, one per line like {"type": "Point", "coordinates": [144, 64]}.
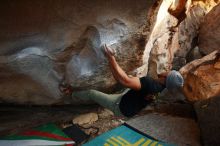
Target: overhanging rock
{"type": "Point", "coordinates": [44, 42]}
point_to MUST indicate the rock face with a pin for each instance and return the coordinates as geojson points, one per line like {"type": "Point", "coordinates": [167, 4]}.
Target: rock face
{"type": "Point", "coordinates": [45, 42]}
{"type": "Point", "coordinates": [175, 34]}
{"type": "Point", "coordinates": [86, 119]}
{"type": "Point", "coordinates": [209, 33]}
{"type": "Point", "coordinates": [202, 79]}
{"type": "Point", "coordinates": [208, 114]}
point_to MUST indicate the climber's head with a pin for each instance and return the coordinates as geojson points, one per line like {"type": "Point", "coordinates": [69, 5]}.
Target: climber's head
{"type": "Point", "coordinates": [174, 81]}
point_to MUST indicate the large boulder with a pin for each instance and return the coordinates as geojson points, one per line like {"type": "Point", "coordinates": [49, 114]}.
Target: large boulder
{"type": "Point", "coordinates": [43, 43]}
{"type": "Point", "coordinates": [202, 77]}
{"type": "Point", "coordinates": [209, 33]}
{"type": "Point", "coordinates": [208, 114]}
{"type": "Point", "coordinates": [174, 35]}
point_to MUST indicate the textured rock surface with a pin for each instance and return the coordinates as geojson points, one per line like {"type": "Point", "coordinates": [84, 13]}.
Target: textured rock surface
{"type": "Point", "coordinates": [88, 118]}
{"type": "Point", "coordinates": [61, 41]}
{"type": "Point", "coordinates": [208, 113]}
{"type": "Point", "coordinates": [44, 42]}
{"type": "Point", "coordinates": [202, 78]}
{"type": "Point", "coordinates": [105, 113]}
{"type": "Point", "coordinates": [209, 33]}
{"type": "Point", "coordinates": [18, 118]}
{"type": "Point", "coordinates": [169, 44]}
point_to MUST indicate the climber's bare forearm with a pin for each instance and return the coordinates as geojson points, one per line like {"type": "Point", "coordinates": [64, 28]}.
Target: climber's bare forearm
{"type": "Point", "coordinates": [120, 75]}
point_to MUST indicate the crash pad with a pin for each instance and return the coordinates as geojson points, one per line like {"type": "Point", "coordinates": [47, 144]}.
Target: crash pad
{"type": "Point", "coordinates": [125, 136]}
{"type": "Point", "coordinates": [48, 134]}
{"type": "Point", "coordinates": [168, 128]}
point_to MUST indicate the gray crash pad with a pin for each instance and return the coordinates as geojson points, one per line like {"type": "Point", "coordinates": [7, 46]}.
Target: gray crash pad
{"type": "Point", "coordinates": [175, 130]}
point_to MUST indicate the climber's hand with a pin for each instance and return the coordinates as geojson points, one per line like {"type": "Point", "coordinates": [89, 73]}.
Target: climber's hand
{"type": "Point", "coordinates": [109, 52]}
{"type": "Point", "coordinates": [65, 89]}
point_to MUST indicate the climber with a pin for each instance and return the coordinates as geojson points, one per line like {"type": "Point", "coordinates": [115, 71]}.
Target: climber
{"type": "Point", "coordinates": [139, 91]}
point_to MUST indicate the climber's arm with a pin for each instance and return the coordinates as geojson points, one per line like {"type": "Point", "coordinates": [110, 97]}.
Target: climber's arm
{"type": "Point", "coordinates": [120, 75]}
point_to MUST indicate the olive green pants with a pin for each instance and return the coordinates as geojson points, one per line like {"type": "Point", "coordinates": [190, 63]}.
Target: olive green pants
{"type": "Point", "coordinates": [109, 101]}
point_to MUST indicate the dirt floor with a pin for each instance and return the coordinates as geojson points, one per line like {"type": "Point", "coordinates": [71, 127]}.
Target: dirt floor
{"type": "Point", "coordinates": [92, 119]}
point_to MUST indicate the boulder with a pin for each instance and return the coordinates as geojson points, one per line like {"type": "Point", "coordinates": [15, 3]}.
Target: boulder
{"type": "Point", "coordinates": [209, 33]}
{"type": "Point", "coordinates": [43, 43]}
{"type": "Point", "coordinates": [88, 118]}
{"type": "Point", "coordinates": [174, 35]}
{"type": "Point", "coordinates": [194, 54]}
{"type": "Point", "coordinates": [61, 41]}
{"type": "Point", "coordinates": [202, 77]}
{"type": "Point", "coordinates": [105, 113]}
{"type": "Point", "coordinates": [208, 114]}
{"type": "Point", "coordinates": [178, 10]}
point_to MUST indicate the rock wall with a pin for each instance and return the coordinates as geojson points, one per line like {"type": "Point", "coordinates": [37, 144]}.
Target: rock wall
{"type": "Point", "coordinates": [208, 114]}
{"type": "Point", "coordinates": [209, 34]}
{"type": "Point", "coordinates": [204, 82]}
{"type": "Point", "coordinates": [175, 34]}
{"type": "Point", "coordinates": [202, 78]}
{"type": "Point", "coordinates": [45, 42]}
